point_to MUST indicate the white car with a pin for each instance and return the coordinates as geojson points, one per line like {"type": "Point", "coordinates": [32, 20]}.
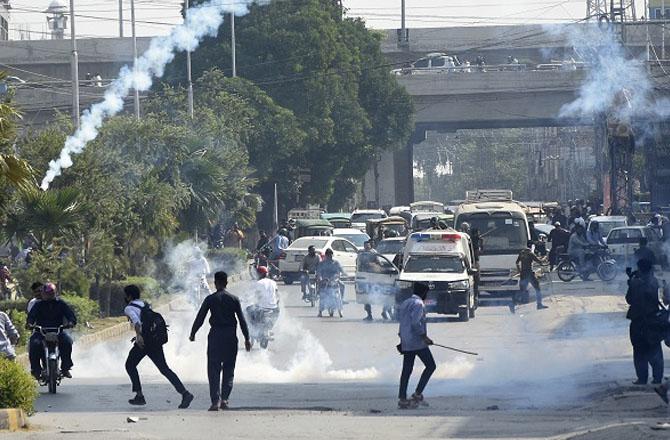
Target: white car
{"type": "Point", "coordinates": [355, 236]}
{"type": "Point", "coordinates": [344, 252]}
{"type": "Point", "coordinates": [390, 247]}
{"type": "Point", "coordinates": [607, 223]}
{"type": "Point", "coordinates": [361, 216]}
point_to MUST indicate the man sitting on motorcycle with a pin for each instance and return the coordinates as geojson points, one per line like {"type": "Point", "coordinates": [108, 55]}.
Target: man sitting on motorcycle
{"type": "Point", "coordinates": [577, 245]}
{"type": "Point", "coordinates": [593, 235]}
{"type": "Point", "coordinates": [267, 298]}
{"type": "Point", "coordinates": [51, 312]}
{"type": "Point", "coordinates": [309, 264]}
{"type": "Point", "coordinates": [329, 269]}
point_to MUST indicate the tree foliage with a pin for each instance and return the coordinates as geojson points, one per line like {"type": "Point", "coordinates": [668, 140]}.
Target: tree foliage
{"type": "Point", "coordinates": [330, 72]}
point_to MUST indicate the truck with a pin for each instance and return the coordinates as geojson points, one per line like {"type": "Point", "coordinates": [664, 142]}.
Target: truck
{"type": "Point", "coordinates": [502, 224]}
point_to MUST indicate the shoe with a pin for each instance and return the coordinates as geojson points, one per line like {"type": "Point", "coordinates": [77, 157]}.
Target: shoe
{"type": "Point", "coordinates": [138, 400]}
{"type": "Point", "coordinates": [656, 382]}
{"type": "Point", "coordinates": [512, 308]}
{"type": "Point", "coordinates": [407, 404]}
{"type": "Point", "coordinates": [66, 373]}
{"type": "Point", "coordinates": [224, 405]}
{"type": "Point", "coordinates": [542, 306]}
{"type": "Point", "coordinates": [418, 398]}
{"type": "Point", "coordinates": [385, 316]}
{"type": "Point", "coordinates": [662, 392]}
{"type": "Point", "coordinates": [36, 374]}
{"type": "Point", "coordinates": [214, 407]}
{"type": "Point", "coordinates": [320, 315]}
{"type": "Point", "coordinates": [639, 382]}
{"type": "Point", "coordinates": [340, 313]}
{"type": "Point", "coordinates": [186, 400]}
{"type": "Point", "coordinates": [368, 318]}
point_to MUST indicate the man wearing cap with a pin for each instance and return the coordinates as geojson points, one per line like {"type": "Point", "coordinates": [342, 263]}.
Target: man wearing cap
{"type": "Point", "coordinates": [308, 266]}
{"type": "Point", "coordinates": [51, 312]}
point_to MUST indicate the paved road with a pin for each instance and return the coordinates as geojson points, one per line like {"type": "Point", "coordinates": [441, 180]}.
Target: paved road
{"type": "Point", "coordinates": [539, 374]}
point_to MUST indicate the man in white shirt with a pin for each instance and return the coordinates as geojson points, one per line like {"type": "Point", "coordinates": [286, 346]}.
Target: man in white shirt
{"type": "Point", "coordinates": [267, 296]}
{"type": "Point", "coordinates": [133, 311]}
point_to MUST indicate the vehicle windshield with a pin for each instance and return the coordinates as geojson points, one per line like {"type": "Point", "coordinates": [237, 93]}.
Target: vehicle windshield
{"type": "Point", "coordinates": [390, 246]}
{"type": "Point", "coordinates": [304, 243]}
{"type": "Point", "coordinates": [363, 217]}
{"type": "Point", "coordinates": [357, 239]}
{"type": "Point", "coordinates": [500, 233]}
{"type": "Point", "coordinates": [606, 227]}
{"type": "Point", "coordinates": [434, 263]}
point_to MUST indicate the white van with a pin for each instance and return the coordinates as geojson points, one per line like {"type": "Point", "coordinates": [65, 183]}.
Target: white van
{"type": "Point", "coordinates": [503, 227]}
{"type": "Point", "coordinates": [443, 259]}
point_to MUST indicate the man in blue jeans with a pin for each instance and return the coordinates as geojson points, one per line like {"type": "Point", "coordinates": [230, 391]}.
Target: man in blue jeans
{"type": "Point", "coordinates": [414, 341]}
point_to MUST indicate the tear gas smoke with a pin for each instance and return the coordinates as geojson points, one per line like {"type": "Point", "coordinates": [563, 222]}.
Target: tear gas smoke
{"type": "Point", "coordinates": [615, 84]}
{"type": "Point", "coordinates": [201, 21]}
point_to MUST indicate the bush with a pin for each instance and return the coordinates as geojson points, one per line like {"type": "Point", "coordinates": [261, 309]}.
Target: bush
{"type": "Point", "coordinates": [114, 304]}
{"type": "Point", "coordinates": [18, 389]}
{"type": "Point", "coordinates": [49, 267]}
{"type": "Point", "coordinates": [19, 319]}
{"type": "Point", "coordinates": [19, 305]}
{"type": "Point", "coordinates": [85, 309]}
{"type": "Point", "coordinates": [231, 260]}
{"type": "Point", "coordinates": [150, 287]}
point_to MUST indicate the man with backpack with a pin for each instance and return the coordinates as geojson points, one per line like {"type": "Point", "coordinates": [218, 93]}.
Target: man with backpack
{"type": "Point", "coordinates": [150, 335]}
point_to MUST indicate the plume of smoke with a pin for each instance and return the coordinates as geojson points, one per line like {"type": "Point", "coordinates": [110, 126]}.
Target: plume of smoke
{"type": "Point", "coordinates": [201, 21]}
{"type": "Point", "coordinates": [615, 83]}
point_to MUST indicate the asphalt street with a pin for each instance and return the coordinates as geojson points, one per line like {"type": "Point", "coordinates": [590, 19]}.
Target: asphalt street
{"type": "Point", "coordinates": [564, 372]}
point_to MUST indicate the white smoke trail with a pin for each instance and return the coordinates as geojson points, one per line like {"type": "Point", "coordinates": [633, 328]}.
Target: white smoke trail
{"type": "Point", "coordinates": [201, 21]}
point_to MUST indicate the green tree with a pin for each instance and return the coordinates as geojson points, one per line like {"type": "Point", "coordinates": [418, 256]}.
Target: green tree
{"type": "Point", "coordinates": [329, 71]}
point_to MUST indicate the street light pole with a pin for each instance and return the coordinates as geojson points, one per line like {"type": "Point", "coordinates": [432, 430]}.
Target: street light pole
{"type": "Point", "coordinates": [132, 26]}
{"type": "Point", "coordinates": [75, 69]}
{"type": "Point", "coordinates": [121, 18]}
{"type": "Point", "coordinates": [188, 71]}
{"type": "Point", "coordinates": [232, 43]}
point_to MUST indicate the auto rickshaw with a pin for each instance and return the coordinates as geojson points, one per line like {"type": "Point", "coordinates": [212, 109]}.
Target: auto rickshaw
{"type": "Point", "coordinates": [312, 228]}
{"type": "Point", "coordinates": [378, 229]}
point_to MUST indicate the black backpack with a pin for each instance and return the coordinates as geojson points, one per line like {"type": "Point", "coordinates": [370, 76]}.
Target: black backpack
{"type": "Point", "coordinates": [154, 327]}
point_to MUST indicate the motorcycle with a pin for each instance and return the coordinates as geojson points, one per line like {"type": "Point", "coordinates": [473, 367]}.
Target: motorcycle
{"type": "Point", "coordinates": [51, 374]}
{"type": "Point", "coordinates": [598, 261]}
{"type": "Point", "coordinates": [329, 296]}
{"type": "Point", "coordinates": [262, 258]}
{"type": "Point", "coordinates": [261, 323]}
{"type": "Point", "coordinates": [312, 292]}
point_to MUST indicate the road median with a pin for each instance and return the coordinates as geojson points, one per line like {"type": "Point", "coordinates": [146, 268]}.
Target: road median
{"type": "Point", "coordinates": [12, 419]}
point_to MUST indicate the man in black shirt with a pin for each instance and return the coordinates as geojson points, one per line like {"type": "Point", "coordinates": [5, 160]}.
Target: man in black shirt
{"type": "Point", "coordinates": [559, 238]}
{"type": "Point", "coordinates": [51, 312]}
{"type": "Point", "coordinates": [644, 253]}
{"type": "Point", "coordinates": [225, 311]}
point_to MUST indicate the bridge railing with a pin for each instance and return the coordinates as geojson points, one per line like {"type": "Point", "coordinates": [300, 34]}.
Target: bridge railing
{"type": "Point", "coordinates": [492, 68]}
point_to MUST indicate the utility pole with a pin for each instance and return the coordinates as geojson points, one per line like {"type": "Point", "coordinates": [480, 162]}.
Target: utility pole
{"type": "Point", "coordinates": [188, 71]}
{"type": "Point", "coordinates": [121, 18]}
{"type": "Point", "coordinates": [132, 26]}
{"type": "Point", "coordinates": [232, 43]}
{"type": "Point", "coordinates": [402, 18]}
{"type": "Point", "coordinates": [75, 69]}
{"type": "Point", "coordinates": [663, 29]}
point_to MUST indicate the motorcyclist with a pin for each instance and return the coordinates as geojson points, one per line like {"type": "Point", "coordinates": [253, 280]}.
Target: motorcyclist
{"type": "Point", "coordinates": [559, 238]}
{"type": "Point", "coordinates": [198, 272]}
{"type": "Point", "coordinates": [308, 266]}
{"type": "Point", "coordinates": [265, 309]}
{"type": "Point", "coordinates": [51, 312]}
{"type": "Point", "coordinates": [577, 245]}
{"type": "Point", "coordinates": [329, 269]}
{"type": "Point", "coordinates": [593, 235]}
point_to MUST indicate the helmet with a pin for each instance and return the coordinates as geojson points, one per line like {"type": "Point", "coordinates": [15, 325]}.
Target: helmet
{"type": "Point", "coordinates": [262, 270]}
{"type": "Point", "coordinates": [557, 224]}
{"type": "Point", "coordinates": [283, 231]}
{"type": "Point", "coordinates": [49, 289]}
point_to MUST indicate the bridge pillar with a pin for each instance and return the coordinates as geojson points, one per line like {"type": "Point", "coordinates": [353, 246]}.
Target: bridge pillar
{"type": "Point", "coordinates": [404, 168]}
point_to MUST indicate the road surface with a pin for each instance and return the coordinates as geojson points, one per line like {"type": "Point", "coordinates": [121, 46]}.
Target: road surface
{"type": "Point", "coordinates": [564, 372]}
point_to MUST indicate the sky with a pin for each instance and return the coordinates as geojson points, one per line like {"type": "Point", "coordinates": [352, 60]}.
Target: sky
{"type": "Point", "coordinates": [99, 18]}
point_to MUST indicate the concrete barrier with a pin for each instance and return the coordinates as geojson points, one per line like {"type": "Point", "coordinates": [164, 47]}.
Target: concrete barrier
{"type": "Point", "coordinates": [12, 419]}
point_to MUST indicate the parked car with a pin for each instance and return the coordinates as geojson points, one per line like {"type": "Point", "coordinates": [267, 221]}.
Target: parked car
{"type": "Point", "coordinates": [607, 223]}
{"type": "Point", "coordinates": [623, 242]}
{"type": "Point", "coordinates": [355, 236]}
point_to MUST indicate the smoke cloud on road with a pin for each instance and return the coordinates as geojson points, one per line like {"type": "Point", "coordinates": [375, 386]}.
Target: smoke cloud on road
{"type": "Point", "coordinates": [202, 21]}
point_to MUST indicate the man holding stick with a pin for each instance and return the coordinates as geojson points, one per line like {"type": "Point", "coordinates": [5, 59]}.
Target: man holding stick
{"type": "Point", "coordinates": [414, 341]}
